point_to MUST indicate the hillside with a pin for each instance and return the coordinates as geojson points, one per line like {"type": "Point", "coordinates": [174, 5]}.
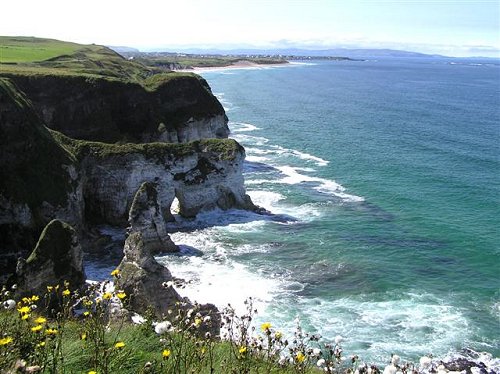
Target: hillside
{"type": "Point", "coordinates": [36, 56]}
{"type": "Point", "coordinates": [91, 92]}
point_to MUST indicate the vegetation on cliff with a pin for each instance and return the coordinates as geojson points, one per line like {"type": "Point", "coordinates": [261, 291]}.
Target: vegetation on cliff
{"type": "Point", "coordinates": [99, 338]}
{"type": "Point", "coordinates": [91, 92]}
{"type": "Point", "coordinates": [29, 154]}
{"type": "Point", "coordinates": [227, 149]}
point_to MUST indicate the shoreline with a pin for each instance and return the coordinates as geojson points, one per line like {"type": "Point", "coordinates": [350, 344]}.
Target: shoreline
{"type": "Point", "coordinates": [242, 64]}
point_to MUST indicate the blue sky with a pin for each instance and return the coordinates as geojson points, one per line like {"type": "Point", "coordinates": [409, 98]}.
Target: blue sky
{"type": "Point", "coordinates": [456, 28]}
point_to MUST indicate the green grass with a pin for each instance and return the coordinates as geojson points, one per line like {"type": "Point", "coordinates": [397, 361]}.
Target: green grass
{"type": "Point", "coordinates": [228, 149]}
{"type": "Point", "coordinates": [36, 56]}
{"type": "Point", "coordinates": [26, 49]}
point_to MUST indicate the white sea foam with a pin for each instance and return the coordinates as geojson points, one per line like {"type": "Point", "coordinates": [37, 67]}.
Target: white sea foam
{"type": "Point", "coordinates": [249, 139]}
{"type": "Point", "coordinates": [242, 127]}
{"type": "Point", "coordinates": [256, 158]}
{"type": "Point", "coordinates": [292, 176]}
{"type": "Point", "coordinates": [411, 325]}
{"type": "Point", "coordinates": [220, 284]}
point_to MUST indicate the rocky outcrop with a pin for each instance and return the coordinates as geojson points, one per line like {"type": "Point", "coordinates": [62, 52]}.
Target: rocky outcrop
{"type": "Point", "coordinates": [170, 107]}
{"type": "Point", "coordinates": [145, 216]}
{"type": "Point", "coordinates": [148, 285]}
{"type": "Point", "coordinates": [46, 175]}
{"type": "Point", "coordinates": [39, 179]}
{"type": "Point", "coordinates": [57, 258]}
{"type": "Point", "coordinates": [141, 277]}
{"type": "Point", "coordinates": [203, 175]}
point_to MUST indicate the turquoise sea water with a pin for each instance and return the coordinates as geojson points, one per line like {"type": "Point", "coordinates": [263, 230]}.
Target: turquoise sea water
{"type": "Point", "coordinates": [383, 180]}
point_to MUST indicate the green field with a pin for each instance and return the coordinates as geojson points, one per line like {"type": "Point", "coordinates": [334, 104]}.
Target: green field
{"type": "Point", "coordinates": [26, 49]}
{"type": "Point", "coordinates": [29, 56]}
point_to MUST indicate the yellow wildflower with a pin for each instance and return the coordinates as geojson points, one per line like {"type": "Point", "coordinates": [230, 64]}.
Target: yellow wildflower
{"type": "Point", "coordinates": [83, 336]}
{"type": "Point", "coordinates": [5, 341]}
{"type": "Point", "coordinates": [40, 320]}
{"type": "Point", "coordinates": [66, 292]}
{"type": "Point", "coordinates": [166, 353]}
{"type": "Point", "coordinates": [35, 298]}
{"type": "Point", "coordinates": [26, 300]}
{"type": "Point", "coordinates": [24, 309]}
{"type": "Point", "coordinates": [107, 296]}
{"type": "Point", "coordinates": [41, 344]}
{"type": "Point", "coordinates": [36, 328]}
{"type": "Point", "coordinates": [119, 345]}
{"type": "Point", "coordinates": [24, 317]}
{"type": "Point", "coordinates": [300, 357]}
{"type": "Point", "coordinates": [92, 372]}
{"type": "Point", "coordinates": [121, 295]}
{"type": "Point", "coordinates": [85, 314]}
{"type": "Point", "coordinates": [115, 273]}
{"type": "Point", "coordinates": [242, 350]}
{"type": "Point", "coordinates": [278, 335]}
{"type": "Point", "coordinates": [51, 331]}
{"type": "Point", "coordinates": [265, 326]}
{"type": "Point", "coordinates": [50, 288]}
{"type": "Point", "coordinates": [197, 322]}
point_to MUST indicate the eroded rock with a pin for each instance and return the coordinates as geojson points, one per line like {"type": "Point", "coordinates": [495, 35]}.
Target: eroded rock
{"type": "Point", "coordinates": [56, 258]}
{"type": "Point", "coordinates": [146, 217]}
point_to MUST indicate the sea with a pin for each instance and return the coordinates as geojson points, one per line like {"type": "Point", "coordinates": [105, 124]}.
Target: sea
{"type": "Point", "coordinates": [382, 179]}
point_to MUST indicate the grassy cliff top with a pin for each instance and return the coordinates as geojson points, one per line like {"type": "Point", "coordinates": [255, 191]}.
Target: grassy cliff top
{"type": "Point", "coordinates": [228, 149]}
{"type": "Point", "coordinates": [29, 56]}
{"type": "Point", "coordinates": [21, 49]}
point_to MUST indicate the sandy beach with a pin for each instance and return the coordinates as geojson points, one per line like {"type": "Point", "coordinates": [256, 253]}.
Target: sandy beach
{"type": "Point", "coordinates": [242, 64]}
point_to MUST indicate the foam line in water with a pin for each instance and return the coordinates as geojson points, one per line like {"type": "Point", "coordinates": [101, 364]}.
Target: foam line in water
{"type": "Point", "coordinates": [242, 127]}
{"type": "Point", "coordinates": [292, 176]}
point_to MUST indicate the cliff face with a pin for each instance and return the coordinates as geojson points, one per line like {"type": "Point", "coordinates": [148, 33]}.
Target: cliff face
{"type": "Point", "coordinates": [169, 107]}
{"type": "Point", "coordinates": [46, 175]}
{"type": "Point", "coordinates": [39, 179]}
{"type": "Point", "coordinates": [202, 175]}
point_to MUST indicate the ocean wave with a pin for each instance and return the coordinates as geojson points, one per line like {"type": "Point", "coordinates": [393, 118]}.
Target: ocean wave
{"type": "Point", "coordinates": [412, 325]}
{"type": "Point", "coordinates": [242, 127]}
{"type": "Point", "coordinates": [302, 155]}
{"type": "Point", "coordinates": [208, 279]}
{"type": "Point", "coordinates": [292, 176]}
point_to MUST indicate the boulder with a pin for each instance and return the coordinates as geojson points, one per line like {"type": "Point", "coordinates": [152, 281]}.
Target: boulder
{"type": "Point", "coordinates": [56, 258]}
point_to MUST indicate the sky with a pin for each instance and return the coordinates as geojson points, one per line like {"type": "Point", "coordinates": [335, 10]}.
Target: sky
{"type": "Point", "coordinates": [448, 27]}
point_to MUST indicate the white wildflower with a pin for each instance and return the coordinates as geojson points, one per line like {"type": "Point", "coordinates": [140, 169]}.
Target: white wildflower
{"type": "Point", "coordinates": [316, 351]}
{"type": "Point", "coordinates": [206, 319]}
{"type": "Point", "coordinates": [425, 362]}
{"type": "Point", "coordinates": [441, 370]}
{"type": "Point", "coordinates": [138, 319]}
{"type": "Point", "coordinates": [163, 327]}
{"type": "Point", "coordinates": [9, 304]}
{"type": "Point", "coordinates": [395, 359]}
{"type": "Point", "coordinates": [320, 362]}
{"type": "Point", "coordinates": [390, 369]}
{"type": "Point", "coordinates": [282, 360]}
